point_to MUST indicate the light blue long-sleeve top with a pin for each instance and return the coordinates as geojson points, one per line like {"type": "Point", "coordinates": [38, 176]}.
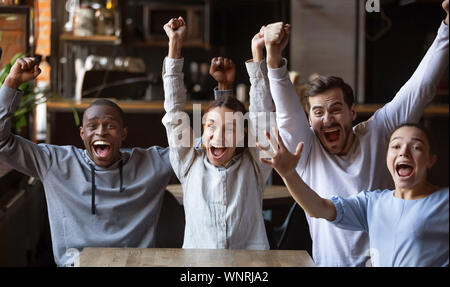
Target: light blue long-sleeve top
{"type": "Point", "coordinates": [401, 232]}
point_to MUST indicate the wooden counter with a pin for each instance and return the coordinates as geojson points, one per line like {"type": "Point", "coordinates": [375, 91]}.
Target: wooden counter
{"type": "Point", "coordinates": [177, 257]}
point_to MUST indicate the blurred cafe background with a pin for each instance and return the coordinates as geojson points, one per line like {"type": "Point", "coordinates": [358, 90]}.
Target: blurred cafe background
{"type": "Point", "coordinates": [115, 49]}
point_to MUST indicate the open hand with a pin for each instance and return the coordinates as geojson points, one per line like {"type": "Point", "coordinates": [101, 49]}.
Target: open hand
{"type": "Point", "coordinates": [281, 159]}
{"type": "Point", "coordinates": [24, 69]}
{"type": "Point", "coordinates": [223, 71]}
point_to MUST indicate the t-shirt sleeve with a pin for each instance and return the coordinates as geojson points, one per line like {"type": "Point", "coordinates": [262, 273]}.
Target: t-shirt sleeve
{"type": "Point", "coordinates": [351, 212]}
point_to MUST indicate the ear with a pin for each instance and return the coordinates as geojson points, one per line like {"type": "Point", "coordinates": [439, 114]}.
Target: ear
{"type": "Point", "coordinates": [124, 133]}
{"type": "Point", "coordinates": [432, 161]}
{"type": "Point", "coordinates": [82, 133]}
{"type": "Point", "coordinates": [353, 111]}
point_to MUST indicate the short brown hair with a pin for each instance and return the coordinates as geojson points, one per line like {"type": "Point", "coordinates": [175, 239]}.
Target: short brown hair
{"type": "Point", "coordinates": [322, 84]}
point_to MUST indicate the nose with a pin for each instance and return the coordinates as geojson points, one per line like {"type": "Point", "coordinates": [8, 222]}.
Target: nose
{"type": "Point", "coordinates": [404, 151]}
{"type": "Point", "coordinates": [101, 130]}
{"type": "Point", "coordinates": [218, 136]}
{"type": "Point", "coordinates": [328, 119]}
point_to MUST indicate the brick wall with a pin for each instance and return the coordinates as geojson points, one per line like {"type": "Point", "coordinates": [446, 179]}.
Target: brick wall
{"type": "Point", "coordinates": [42, 35]}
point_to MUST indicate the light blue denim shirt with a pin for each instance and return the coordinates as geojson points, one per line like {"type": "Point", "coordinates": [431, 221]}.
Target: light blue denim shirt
{"type": "Point", "coordinates": [402, 233]}
{"type": "Point", "coordinates": [223, 206]}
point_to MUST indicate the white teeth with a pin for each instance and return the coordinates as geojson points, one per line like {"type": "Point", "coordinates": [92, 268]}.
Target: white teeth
{"type": "Point", "coordinates": [101, 143]}
{"type": "Point", "coordinates": [403, 163]}
{"type": "Point", "coordinates": [331, 130]}
{"type": "Point", "coordinates": [214, 146]}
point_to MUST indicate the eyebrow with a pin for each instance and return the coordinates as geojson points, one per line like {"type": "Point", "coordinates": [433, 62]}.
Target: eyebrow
{"type": "Point", "coordinates": [414, 139]}
{"type": "Point", "coordinates": [332, 105]}
{"type": "Point", "coordinates": [108, 117]}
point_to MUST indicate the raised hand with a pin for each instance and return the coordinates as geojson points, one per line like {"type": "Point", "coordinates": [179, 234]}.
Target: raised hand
{"type": "Point", "coordinates": [223, 71]}
{"type": "Point", "coordinates": [276, 37]}
{"type": "Point", "coordinates": [445, 6]}
{"type": "Point", "coordinates": [176, 31]}
{"type": "Point", "coordinates": [258, 45]}
{"type": "Point", "coordinates": [24, 70]}
{"type": "Point", "coordinates": [281, 159]}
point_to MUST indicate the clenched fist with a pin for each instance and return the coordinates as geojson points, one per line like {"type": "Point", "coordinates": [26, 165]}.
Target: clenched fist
{"type": "Point", "coordinates": [276, 37]}
{"type": "Point", "coordinates": [223, 71]}
{"type": "Point", "coordinates": [445, 6]}
{"type": "Point", "coordinates": [24, 70]}
{"type": "Point", "coordinates": [175, 30]}
{"type": "Point", "coordinates": [258, 45]}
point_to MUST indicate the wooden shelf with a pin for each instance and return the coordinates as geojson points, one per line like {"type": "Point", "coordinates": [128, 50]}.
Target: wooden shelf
{"type": "Point", "coordinates": [96, 39]}
{"type": "Point", "coordinates": [164, 44]}
{"type": "Point", "coordinates": [158, 106]}
{"type": "Point", "coordinates": [127, 106]}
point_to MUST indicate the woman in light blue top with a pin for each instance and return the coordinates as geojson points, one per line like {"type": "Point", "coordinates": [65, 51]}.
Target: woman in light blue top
{"type": "Point", "coordinates": [407, 226]}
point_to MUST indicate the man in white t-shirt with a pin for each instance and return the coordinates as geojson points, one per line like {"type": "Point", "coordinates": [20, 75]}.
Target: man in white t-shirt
{"type": "Point", "coordinates": [339, 159]}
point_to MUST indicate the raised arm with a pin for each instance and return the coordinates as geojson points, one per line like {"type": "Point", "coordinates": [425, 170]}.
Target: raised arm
{"type": "Point", "coordinates": [176, 121]}
{"type": "Point", "coordinates": [292, 122]}
{"type": "Point", "coordinates": [410, 101]}
{"type": "Point", "coordinates": [21, 154]}
{"type": "Point", "coordinates": [261, 106]}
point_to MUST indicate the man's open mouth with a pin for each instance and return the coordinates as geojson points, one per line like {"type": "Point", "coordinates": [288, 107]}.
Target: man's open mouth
{"type": "Point", "coordinates": [101, 149]}
{"type": "Point", "coordinates": [332, 134]}
{"type": "Point", "coordinates": [404, 169]}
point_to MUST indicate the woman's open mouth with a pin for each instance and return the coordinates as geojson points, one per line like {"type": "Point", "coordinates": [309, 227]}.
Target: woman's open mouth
{"type": "Point", "coordinates": [217, 152]}
{"type": "Point", "coordinates": [102, 149]}
{"type": "Point", "coordinates": [404, 170]}
{"type": "Point", "coordinates": [218, 155]}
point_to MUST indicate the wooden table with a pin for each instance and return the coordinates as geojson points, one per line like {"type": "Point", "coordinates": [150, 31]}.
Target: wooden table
{"type": "Point", "coordinates": [273, 195]}
{"type": "Point", "coordinates": [177, 257]}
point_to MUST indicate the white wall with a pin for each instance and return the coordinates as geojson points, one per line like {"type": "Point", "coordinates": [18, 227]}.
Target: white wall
{"type": "Point", "coordinates": [324, 40]}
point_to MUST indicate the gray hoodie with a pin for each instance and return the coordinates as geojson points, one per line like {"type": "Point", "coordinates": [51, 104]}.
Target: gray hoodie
{"type": "Point", "coordinates": [89, 206]}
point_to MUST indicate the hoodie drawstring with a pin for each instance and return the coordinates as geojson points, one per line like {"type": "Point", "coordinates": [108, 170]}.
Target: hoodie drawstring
{"type": "Point", "coordinates": [121, 175]}
{"type": "Point", "coordinates": [93, 183]}
{"type": "Point", "coordinates": [93, 189]}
